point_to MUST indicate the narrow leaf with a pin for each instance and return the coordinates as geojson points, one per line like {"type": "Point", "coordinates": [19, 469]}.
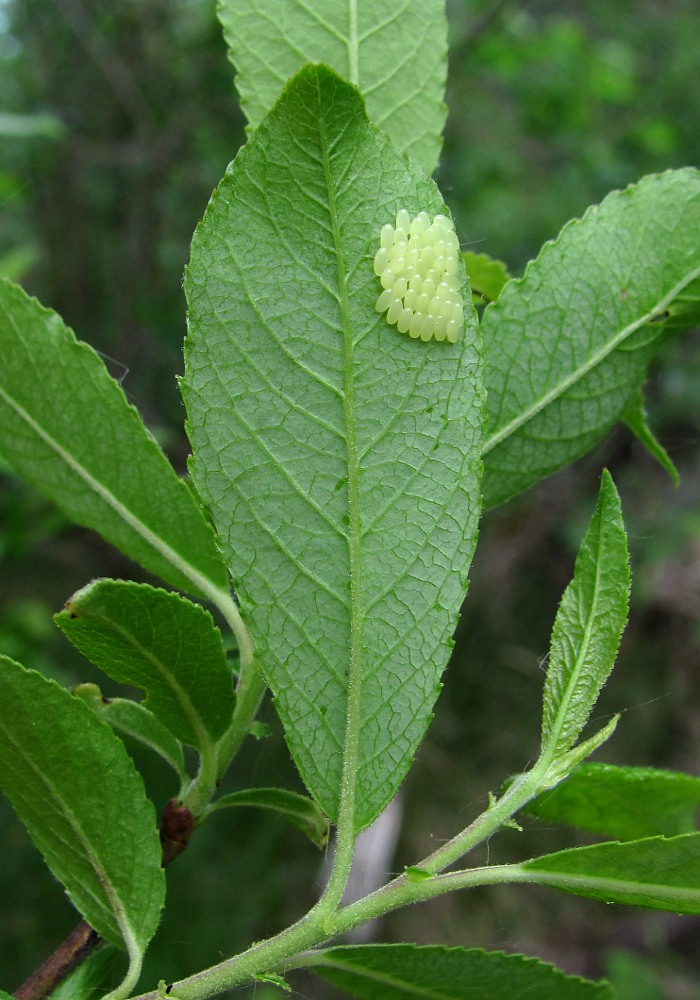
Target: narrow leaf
{"type": "Point", "coordinates": [635, 417]}
{"type": "Point", "coordinates": [296, 809]}
{"type": "Point", "coordinates": [160, 642]}
{"type": "Point", "coordinates": [627, 803]}
{"type": "Point", "coordinates": [66, 427]}
{"type": "Point", "coordinates": [397, 57]}
{"type": "Point", "coordinates": [570, 760]}
{"type": "Point", "coordinates": [76, 790]}
{"type": "Point", "coordinates": [588, 626]}
{"type": "Point", "coordinates": [339, 458]}
{"type": "Point", "coordinates": [568, 344]}
{"type": "Point", "coordinates": [433, 972]}
{"type": "Point", "coordinates": [132, 719]}
{"type": "Point", "coordinates": [657, 873]}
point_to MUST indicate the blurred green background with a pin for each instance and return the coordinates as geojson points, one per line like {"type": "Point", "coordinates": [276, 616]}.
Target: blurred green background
{"type": "Point", "coordinates": [116, 121]}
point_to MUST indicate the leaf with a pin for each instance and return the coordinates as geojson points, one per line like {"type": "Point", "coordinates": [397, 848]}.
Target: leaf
{"type": "Point", "coordinates": [635, 418]}
{"type": "Point", "coordinates": [487, 276]}
{"type": "Point", "coordinates": [433, 972]}
{"type": "Point", "coordinates": [657, 873]}
{"type": "Point", "coordinates": [86, 982]}
{"type": "Point", "coordinates": [588, 626]}
{"type": "Point", "coordinates": [76, 790]}
{"type": "Point", "coordinates": [132, 719]}
{"type": "Point", "coordinates": [159, 642]}
{"type": "Point", "coordinates": [296, 809]}
{"type": "Point", "coordinates": [627, 803]}
{"type": "Point", "coordinates": [339, 458]}
{"type": "Point", "coordinates": [66, 427]}
{"type": "Point", "coordinates": [573, 758]}
{"type": "Point", "coordinates": [568, 344]}
{"type": "Point", "coordinates": [397, 57]}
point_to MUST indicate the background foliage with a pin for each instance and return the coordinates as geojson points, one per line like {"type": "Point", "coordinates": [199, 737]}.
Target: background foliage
{"type": "Point", "coordinates": [116, 122]}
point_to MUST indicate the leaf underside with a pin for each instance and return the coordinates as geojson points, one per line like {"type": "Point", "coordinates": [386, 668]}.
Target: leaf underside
{"type": "Point", "coordinates": [396, 56]}
{"type": "Point", "coordinates": [338, 457]}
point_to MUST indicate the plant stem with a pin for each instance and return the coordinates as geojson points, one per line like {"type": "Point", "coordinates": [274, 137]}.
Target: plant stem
{"type": "Point", "coordinates": [80, 943]}
{"type": "Point", "coordinates": [249, 694]}
{"type": "Point", "coordinates": [523, 788]}
{"type": "Point", "coordinates": [289, 949]}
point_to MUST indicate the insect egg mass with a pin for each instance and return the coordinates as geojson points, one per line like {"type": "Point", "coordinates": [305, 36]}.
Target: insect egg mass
{"type": "Point", "coordinates": [416, 264]}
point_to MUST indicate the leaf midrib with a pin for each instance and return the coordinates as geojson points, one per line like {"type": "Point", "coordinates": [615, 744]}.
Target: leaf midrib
{"type": "Point", "coordinates": [346, 809]}
{"type": "Point", "coordinates": [201, 582]}
{"type": "Point", "coordinates": [576, 376]}
{"type": "Point", "coordinates": [383, 978]}
{"type": "Point", "coordinates": [557, 743]}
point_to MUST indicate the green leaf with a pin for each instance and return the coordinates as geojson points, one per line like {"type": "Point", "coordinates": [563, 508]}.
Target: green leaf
{"type": "Point", "coordinates": [635, 417]}
{"type": "Point", "coordinates": [568, 344]}
{"type": "Point", "coordinates": [296, 809]}
{"type": "Point", "coordinates": [76, 790]}
{"type": "Point", "coordinates": [432, 972]}
{"type": "Point", "coordinates": [66, 427]}
{"type": "Point", "coordinates": [339, 458]}
{"type": "Point", "coordinates": [627, 803]}
{"type": "Point", "coordinates": [160, 642]}
{"type": "Point", "coordinates": [657, 873]}
{"type": "Point", "coordinates": [132, 719]}
{"type": "Point", "coordinates": [487, 276]}
{"type": "Point", "coordinates": [397, 57]}
{"type": "Point", "coordinates": [87, 981]}
{"type": "Point", "coordinates": [588, 626]}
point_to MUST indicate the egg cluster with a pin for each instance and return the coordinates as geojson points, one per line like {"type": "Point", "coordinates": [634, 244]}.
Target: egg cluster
{"type": "Point", "coordinates": [417, 266]}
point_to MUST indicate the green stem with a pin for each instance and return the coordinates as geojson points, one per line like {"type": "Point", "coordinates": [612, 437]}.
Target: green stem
{"type": "Point", "coordinates": [524, 788]}
{"type": "Point", "coordinates": [249, 694]}
{"type": "Point", "coordinates": [197, 797]}
{"type": "Point", "coordinates": [290, 948]}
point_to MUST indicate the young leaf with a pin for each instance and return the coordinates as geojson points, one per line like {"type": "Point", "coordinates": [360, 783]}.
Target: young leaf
{"type": "Point", "coordinates": [588, 626]}
{"type": "Point", "coordinates": [627, 803]}
{"type": "Point", "coordinates": [76, 790]}
{"type": "Point", "coordinates": [568, 344]}
{"type": "Point", "coordinates": [411, 972]}
{"type": "Point", "coordinates": [397, 58]}
{"type": "Point", "coordinates": [634, 415]}
{"type": "Point", "coordinates": [160, 642]}
{"type": "Point", "coordinates": [296, 809]}
{"type": "Point", "coordinates": [132, 719]}
{"type": "Point", "coordinates": [339, 458]}
{"type": "Point", "coordinates": [657, 873]}
{"type": "Point", "coordinates": [66, 427]}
